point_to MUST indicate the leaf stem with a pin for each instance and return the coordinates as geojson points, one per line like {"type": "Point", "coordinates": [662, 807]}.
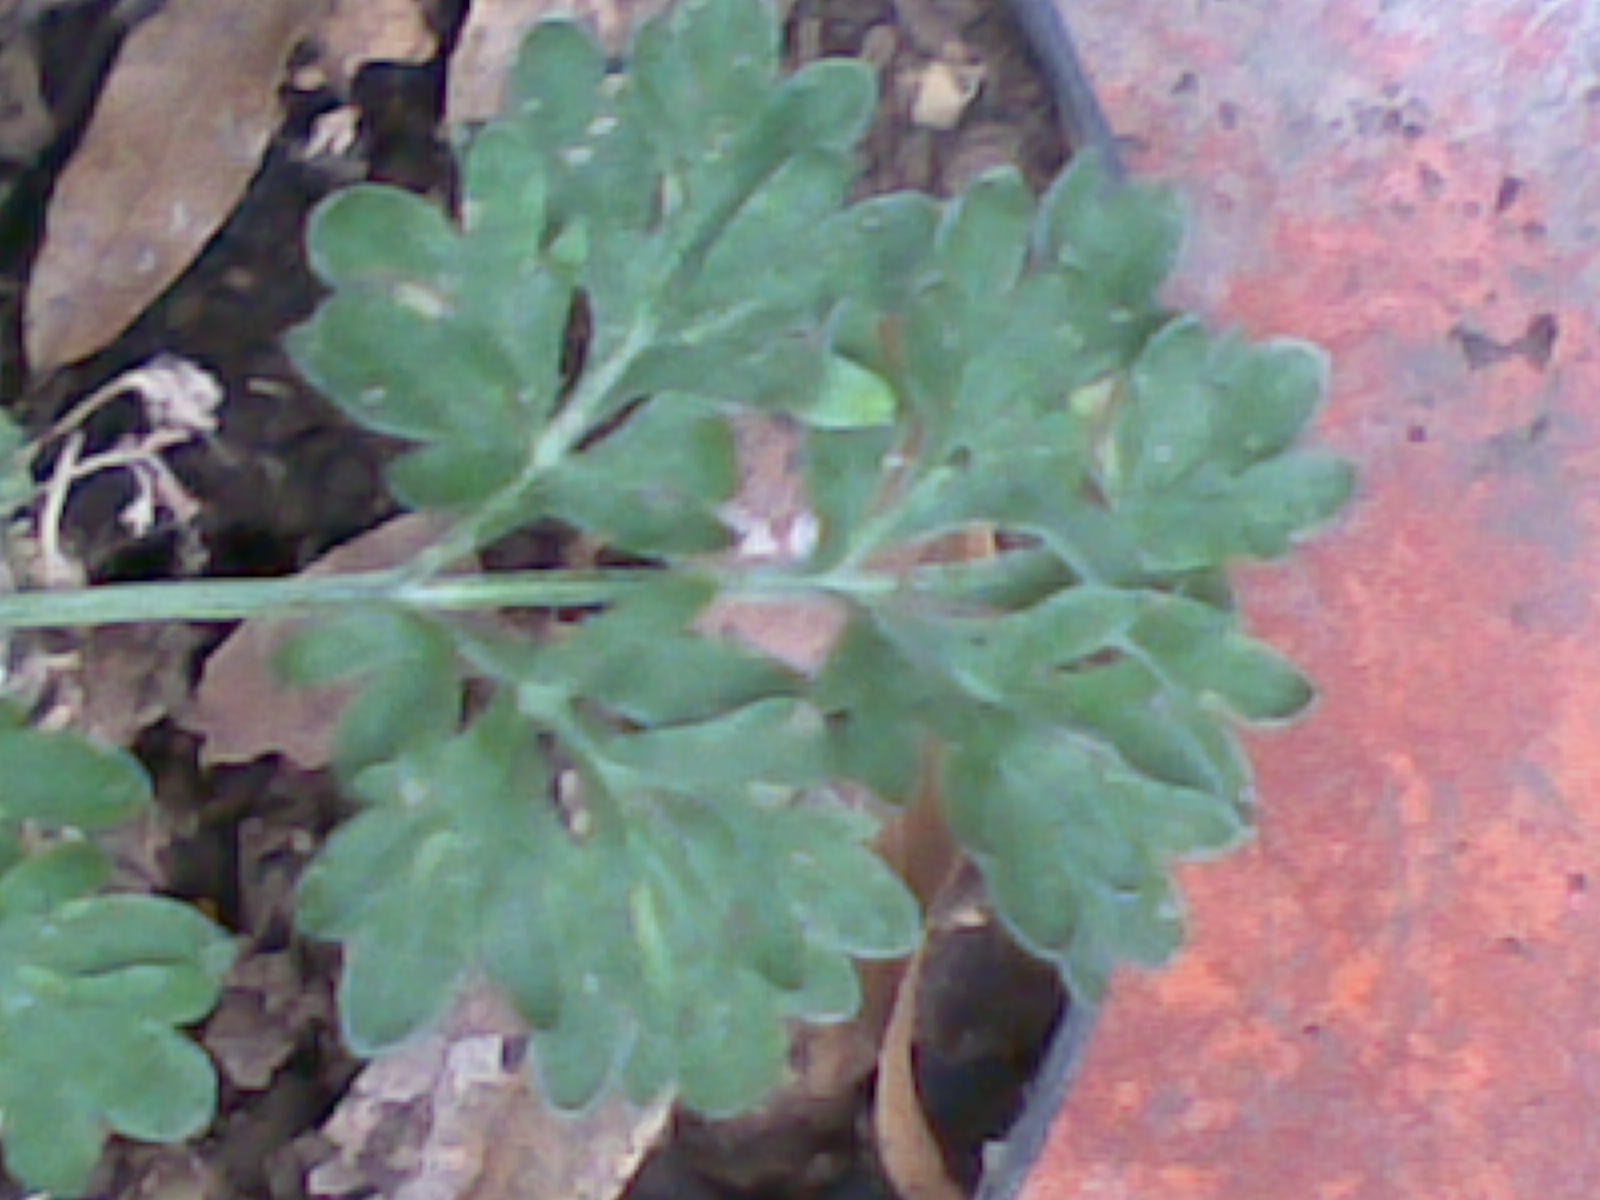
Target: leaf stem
{"type": "Point", "coordinates": [242, 599]}
{"type": "Point", "coordinates": [239, 599]}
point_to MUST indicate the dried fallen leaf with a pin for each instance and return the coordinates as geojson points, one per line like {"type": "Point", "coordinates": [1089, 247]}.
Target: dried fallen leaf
{"type": "Point", "coordinates": [451, 1116]}
{"type": "Point", "coordinates": [353, 33]}
{"type": "Point", "coordinates": [128, 677]}
{"type": "Point", "coordinates": [263, 1017]}
{"type": "Point", "coordinates": [178, 132]}
{"type": "Point", "coordinates": [25, 122]}
{"type": "Point", "coordinates": [907, 1144]}
{"type": "Point", "coordinates": [242, 708]}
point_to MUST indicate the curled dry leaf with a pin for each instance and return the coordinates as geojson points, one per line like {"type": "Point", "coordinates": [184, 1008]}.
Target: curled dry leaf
{"type": "Point", "coordinates": [920, 846]}
{"type": "Point", "coordinates": [907, 1146]}
{"type": "Point", "coordinates": [968, 1052]}
{"type": "Point", "coordinates": [263, 1016]}
{"type": "Point", "coordinates": [178, 132]}
{"type": "Point", "coordinates": [451, 1116]}
{"type": "Point", "coordinates": [244, 711]}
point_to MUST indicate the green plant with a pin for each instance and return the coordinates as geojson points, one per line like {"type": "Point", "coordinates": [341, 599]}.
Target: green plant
{"type": "Point", "coordinates": [636, 828]}
{"type": "Point", "coordinates": [91, 985]}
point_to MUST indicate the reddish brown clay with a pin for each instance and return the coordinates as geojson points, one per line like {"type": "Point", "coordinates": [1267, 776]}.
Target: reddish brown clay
{"type": "Point", "coordinates": [1395, 993]}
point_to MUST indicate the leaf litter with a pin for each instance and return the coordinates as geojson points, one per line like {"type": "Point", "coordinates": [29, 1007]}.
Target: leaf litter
{"type": "Point", "coordinates": [177, 134]}
{"type": "Point", "coordinates": [189, 108]}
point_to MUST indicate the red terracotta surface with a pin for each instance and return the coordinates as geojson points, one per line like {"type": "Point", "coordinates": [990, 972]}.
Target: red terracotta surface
{"type": "Point", "coordinates": [1396, 991]}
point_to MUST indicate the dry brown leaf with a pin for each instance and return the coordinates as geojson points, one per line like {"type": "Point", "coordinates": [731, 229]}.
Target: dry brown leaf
{"type": "Point", "coordinates": [920, 846]}
{"type": "Point", "coordinates": [451, 1116]}
{"type": "Point", "coordinates": [25, 122]}
{"type": "Point", "coordinates": [241, 707]}
{"type": "Point", "coordinates": [119, 679]}
{"type": "Point", "coordinates": [263, 1017]}
{"type": "Point", "coordinates": [178, 132]}
{"type": "Point", "coordinates": [907, 1146]}
{"type": "Point", "coordinates": [494, 33]}
{"type": "Point", "coordinates": [355, 32]}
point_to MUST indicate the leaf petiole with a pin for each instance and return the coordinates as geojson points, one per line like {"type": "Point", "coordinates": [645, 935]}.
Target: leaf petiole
{"type": "Point", "coordinates": [242, 599]}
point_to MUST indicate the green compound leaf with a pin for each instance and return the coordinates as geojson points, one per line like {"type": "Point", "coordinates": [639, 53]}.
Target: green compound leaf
{"type": "Point", "coordinates": [1076, 691]}
{"type": "Point", "coordinates": [91, 988]}
{"type": "Point", "coordinates": [638, 832]}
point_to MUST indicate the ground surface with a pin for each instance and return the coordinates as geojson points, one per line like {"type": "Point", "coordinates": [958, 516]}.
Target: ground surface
{"type": "Point", "coordinates": [283, 478]}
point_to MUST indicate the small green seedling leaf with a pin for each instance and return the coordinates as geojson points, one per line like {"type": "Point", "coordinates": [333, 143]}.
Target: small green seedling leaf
{"type": "Point", "coordinates": [91, 990]}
